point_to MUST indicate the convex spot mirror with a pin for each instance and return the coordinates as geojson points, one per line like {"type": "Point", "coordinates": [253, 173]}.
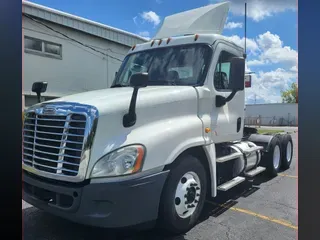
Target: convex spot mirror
{"type": "Point", "coordinates": [39, 87]}
{"type": "Point", "coordinates": [237, 73]}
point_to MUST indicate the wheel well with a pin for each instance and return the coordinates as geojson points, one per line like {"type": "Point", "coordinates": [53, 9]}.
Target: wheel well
{"type": "Point", "coordinates": [200, 154]}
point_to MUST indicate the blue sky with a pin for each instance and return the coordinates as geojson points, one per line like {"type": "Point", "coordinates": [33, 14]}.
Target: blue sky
{"type": "Point", "coordinates": [271, 32]}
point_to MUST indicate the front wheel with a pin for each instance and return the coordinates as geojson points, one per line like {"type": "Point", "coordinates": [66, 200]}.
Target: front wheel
{"type": "Point", "coordinates": [183, 196]}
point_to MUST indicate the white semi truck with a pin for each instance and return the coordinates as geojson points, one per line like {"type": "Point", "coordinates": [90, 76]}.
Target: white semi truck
{"type": "Point", "coordinates": [168, 134]}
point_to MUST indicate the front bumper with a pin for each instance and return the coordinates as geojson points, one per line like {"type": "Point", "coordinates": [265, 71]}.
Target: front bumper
{"type": "Point", "coordinates": [108, 205]}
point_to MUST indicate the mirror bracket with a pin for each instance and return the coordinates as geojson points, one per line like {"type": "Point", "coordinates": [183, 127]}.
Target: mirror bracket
{"type": "Point", "coordinates": [137, 81]}
{"type": "Point", "coordinates": [221, 100]}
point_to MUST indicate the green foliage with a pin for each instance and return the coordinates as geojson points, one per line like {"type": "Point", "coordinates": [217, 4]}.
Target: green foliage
{"type": "Point", "coordinates": [290, 95]}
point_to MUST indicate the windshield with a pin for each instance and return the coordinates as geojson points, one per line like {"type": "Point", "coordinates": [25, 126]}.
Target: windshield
{"type": "Point", "coordinates": [179, 65]}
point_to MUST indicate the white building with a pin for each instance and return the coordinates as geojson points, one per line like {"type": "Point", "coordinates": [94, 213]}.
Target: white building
{"type": "Point", "coordinates": [72, 54]}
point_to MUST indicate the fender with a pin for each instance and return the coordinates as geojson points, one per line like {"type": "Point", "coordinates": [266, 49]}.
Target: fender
{"type": "Point", "coordinates": [261, 140]}
{"type": "Point", "coordinates": [183, 132]}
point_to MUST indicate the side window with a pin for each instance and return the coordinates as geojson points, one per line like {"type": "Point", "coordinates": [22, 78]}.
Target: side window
{"type": "Point", "coordinates": [42, 47]}
{"type": "Point", "coordinates": [222, 72]}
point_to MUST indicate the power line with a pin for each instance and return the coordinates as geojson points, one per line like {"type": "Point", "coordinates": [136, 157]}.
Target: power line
{"type": "Point", "coordinates": [72, 39]}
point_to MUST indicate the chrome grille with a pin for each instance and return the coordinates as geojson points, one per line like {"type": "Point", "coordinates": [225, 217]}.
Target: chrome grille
{"type": "Point", "coordinates": [55, 142]}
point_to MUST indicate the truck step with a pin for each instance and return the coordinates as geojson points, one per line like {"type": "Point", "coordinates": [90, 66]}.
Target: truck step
{"type": "Point", "coordinates": [229, 157]}
{"type": "Point", "coordinates": [255, 171]}
{"type": "Point", "coordinates": [232, 183]}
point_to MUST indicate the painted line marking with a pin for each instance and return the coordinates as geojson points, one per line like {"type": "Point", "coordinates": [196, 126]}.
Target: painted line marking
{"type": "Point", "coordinates": [278, 221]}
{"type": "Point", "coordinates": [286, 175]}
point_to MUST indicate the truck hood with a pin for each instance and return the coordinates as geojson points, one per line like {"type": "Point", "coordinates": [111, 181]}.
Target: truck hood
{"type": "Point", "coordinates": [113, 100]}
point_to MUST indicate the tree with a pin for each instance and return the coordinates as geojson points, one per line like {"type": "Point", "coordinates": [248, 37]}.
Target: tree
{"type": "Point", "coordinates": [290, 95]}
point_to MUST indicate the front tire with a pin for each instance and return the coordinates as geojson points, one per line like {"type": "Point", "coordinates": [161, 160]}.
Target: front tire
{"type": "Point", "coordinates": [183, 196]}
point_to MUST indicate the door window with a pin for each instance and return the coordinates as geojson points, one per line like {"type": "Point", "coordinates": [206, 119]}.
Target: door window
{"type": "Point", "coordinates": [222, 72]}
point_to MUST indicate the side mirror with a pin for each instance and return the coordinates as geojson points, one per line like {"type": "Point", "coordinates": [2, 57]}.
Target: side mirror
{"type": "Point", "coordinates": [139, 80]}
{"type": "Point", "coordinates": [237, 73]}
{"type": "Point", "coordinates": [38, 88]}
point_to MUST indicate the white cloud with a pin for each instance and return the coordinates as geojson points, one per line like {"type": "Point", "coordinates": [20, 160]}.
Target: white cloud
{"type": "Point", "coordinates": [294, 69]}
{"type": "Point", "coordinates": [151, 17]}
{"type": "Point", "coordinates": [252, 46]}
{"type": "Point", "coordinates": [266, 86]}
{"type": "Point", "coordinates": [144, 34]}
{"type": "Point", "coordinates": [159, 1]}
{"type": "Point", "coordinates": [232, 25]}
{"type": "Point", "coordinates": [268, 48]}
{"type": "Point", "coordinates": [274, 51]}
{"type": "Point", "coordinates": [269, 40]}
{"type": "Point", "coordinates": [135, 20]}
{"type": "Point", "coordinates": [260, 9]}
{"type": "Point", "coordinates": [256, 62]}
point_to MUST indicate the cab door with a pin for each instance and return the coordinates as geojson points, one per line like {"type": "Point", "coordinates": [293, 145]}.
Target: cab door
{"type": "Point", "coordinates": [228, 120]}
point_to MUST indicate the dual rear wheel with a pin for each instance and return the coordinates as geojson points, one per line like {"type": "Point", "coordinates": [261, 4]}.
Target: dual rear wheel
{"type": "Point", "coordinates": [279, 155]}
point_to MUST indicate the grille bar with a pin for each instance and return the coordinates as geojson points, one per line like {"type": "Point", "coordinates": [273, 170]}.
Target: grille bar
{"type": "Point", "coordinates": [49, 160]}
{"type": "Point", "coordinates": [28, 124]}
{"type": "Point", "coordinates": [53, 133]}
{"type": "Point", "coordinates": [58, 120]}
{"type": "Point", "coordinates": [54, 140]}
{"type": "Point", "coordinates": [59, 170]}
{"type": "Point", "coordinates": [54, 154]}
{"type": "Point", "coordinates": [47, 146]}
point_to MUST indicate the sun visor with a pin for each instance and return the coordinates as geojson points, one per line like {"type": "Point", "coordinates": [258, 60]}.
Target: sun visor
{"type": "Point", "coordinates": [208, 19]}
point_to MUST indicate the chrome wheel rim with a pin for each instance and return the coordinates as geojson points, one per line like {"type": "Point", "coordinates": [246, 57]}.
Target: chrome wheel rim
{"type": "Point", "coordinates": [187, 195]}
{"type": "Point", "coordinates": [276, 157]}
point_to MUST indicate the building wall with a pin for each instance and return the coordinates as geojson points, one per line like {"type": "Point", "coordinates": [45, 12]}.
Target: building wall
{"type": "Point", "coordinates": [272, 114]}
{"type": "Point", "coordinates": [80, 68]}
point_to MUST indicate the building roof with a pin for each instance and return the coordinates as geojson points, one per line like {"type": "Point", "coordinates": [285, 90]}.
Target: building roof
{"type": "Point", "coordinates": [81, 24]}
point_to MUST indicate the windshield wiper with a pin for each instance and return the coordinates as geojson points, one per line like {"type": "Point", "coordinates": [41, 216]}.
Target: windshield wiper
{"type": "Point", "coordinates": [118, 85]}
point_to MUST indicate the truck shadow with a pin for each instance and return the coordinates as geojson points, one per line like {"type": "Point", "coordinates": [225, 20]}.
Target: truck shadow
{"type": "Point", "coordinates": [40, 225]}
{"type": "Point", "coordinates": [215, 207]}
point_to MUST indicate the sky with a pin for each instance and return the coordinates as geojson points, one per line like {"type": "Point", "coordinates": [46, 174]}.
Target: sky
{"type": "Point", "coordinates": [271, 33]}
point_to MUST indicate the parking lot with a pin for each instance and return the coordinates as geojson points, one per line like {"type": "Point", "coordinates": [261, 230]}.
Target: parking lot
{"type": "Point", "coordinates": [259, 209]}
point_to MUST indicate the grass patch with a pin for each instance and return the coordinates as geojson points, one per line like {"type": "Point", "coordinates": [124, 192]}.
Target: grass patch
{"type": "Point", "coordinates": [269, 131]}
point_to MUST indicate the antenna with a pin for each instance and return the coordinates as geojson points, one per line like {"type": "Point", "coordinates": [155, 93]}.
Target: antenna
{"type": "Point", "coordinates": [245, 30]}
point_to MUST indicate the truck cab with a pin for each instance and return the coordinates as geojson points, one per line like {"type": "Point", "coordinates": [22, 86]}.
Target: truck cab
{"type": "Point", "coordinates": [168, 134]}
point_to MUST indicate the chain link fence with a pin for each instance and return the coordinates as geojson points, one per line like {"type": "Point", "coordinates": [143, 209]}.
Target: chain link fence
{"type": "Point", "coordinates": [271, 121]}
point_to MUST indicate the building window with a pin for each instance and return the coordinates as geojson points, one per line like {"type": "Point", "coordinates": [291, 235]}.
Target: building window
{"type": "Point", "coordinates": [42, 47]}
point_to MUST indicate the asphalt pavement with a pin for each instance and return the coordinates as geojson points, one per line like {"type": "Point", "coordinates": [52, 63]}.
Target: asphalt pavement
{"type": "Point", "coordinates": [262, 208]}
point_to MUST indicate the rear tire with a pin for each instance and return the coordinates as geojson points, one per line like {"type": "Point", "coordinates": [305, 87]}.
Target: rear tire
{"type": "Point", "coordinates": [272, 159]}
{"type": "Point", "coordinates": [183, 195]}
{"type": "Point", "coordinates": [287, 151]}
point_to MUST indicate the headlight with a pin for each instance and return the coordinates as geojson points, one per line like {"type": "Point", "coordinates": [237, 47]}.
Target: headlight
{"type": "Point", "coordinates": [124, 161]}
